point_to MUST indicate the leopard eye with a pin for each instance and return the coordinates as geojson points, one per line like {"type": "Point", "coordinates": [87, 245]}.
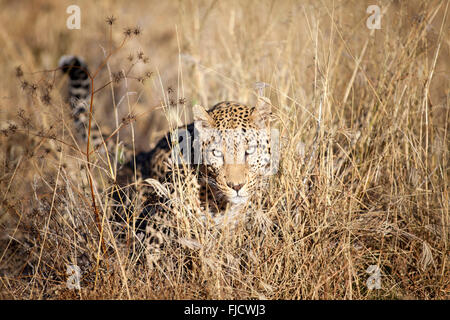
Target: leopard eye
{"type": "Point", "coordinates": [251, 150]}
{"type": "Point", "coordinates": [217, 153]}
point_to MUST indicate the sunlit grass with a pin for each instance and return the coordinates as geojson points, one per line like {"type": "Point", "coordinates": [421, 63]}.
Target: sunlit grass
{"type": "Point", "coordinates": [369, 186]}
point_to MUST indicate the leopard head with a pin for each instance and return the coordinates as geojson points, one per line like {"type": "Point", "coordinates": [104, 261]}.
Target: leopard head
{"type": "Point", "coordinates": [234, 142]}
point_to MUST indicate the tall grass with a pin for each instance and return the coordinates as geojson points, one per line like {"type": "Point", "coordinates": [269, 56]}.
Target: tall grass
{"type": "Point", "coordinates": [365, 190]}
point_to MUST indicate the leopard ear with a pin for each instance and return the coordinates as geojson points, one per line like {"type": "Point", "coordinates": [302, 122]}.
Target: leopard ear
{"type": "Point", "coordinates": [202, 119]}
{"type": "Point", "coordinates": [262, 112]}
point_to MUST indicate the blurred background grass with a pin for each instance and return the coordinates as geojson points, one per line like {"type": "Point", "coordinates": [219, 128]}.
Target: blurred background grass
{"type": "Point", "coordinates": [380, 193]}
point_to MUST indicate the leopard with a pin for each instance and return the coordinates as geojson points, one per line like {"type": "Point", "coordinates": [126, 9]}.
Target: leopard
{"type": "Point", "coordinates": [224, 156]}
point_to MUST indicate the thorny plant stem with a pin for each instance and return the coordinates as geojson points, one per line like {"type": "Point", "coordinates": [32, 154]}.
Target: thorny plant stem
{"type": "Point", "coordinates": [96, 212]}
{"type": "Point", "coordinates": [91, 107]}
{"type": "Point", "coordinates": [88, 166]}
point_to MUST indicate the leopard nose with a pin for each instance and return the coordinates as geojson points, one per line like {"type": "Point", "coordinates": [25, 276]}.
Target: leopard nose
{"type": "Point", "coordinates": [235, 187]}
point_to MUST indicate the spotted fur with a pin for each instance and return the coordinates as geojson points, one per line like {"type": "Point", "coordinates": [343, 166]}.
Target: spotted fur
{"type": "Point", "coordinates": [232, 160]}
{"type": "Point", "coordinates": [79, 94]}
{"type": "Point", "coordinates": [226, 158]}
{"type": "Point", "coordinates": [233, 155]}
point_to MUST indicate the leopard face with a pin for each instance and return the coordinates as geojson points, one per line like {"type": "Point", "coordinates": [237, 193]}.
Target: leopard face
{"type": "Point", "coordinates": [235, 148]}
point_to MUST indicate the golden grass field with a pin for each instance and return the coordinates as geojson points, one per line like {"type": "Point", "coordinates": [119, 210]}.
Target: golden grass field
{"type": "Point", "coordinates": [370, 191]}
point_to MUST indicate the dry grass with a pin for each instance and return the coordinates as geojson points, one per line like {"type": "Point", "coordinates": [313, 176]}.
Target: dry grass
{"type": "Point", "coordinates": [375, 192]}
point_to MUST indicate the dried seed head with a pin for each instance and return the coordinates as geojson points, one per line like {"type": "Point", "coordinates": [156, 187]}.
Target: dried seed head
{"type": "Point", "coordinates": [110, 20]}
{"type": "Point", "coordinates": [140, 79]}
{"type": "Point", "coordinates": [128, 32]}
{"type": "Point", "coordinates": [129, 118]}
{"type": "Point", "coordinates": [46, 99]}
{"type": "Point", "coordinates": [24, 84]}
{"type": "Point", "coordinates": [137, 31]}
{"type": "Point", "coordinates": [12, 128]}
{"type": "Point", "coordinates": [48, 86]}
{"type": "Point", "coordinates": [33, 87]}
{"type": "Point", "coordinates": [117, 76]}
{"type": "Point", "coordinates": [19, 72]}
